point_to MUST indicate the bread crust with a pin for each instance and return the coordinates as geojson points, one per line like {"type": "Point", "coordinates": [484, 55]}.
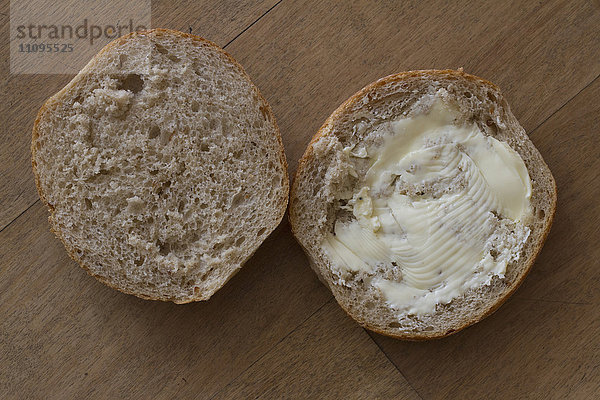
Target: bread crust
{"type": "Point", "coordinates": [46, 107]}
{"type": "Point", "coordinates": [341, 111]}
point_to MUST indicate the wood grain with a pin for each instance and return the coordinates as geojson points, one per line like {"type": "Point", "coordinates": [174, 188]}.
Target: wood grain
{"type": "Point", "coordinates": [273, 331]}
{"type": "Point", "coordinates": [543, 343]}
{"type": "Point", "coordinates": [539, 53]}
{"type": "Point", "coordinates": [328, 356]}
{"type": "Point", "coordinates": [219, 21]}
{"type": "Point", "coordinates": [526, 350]}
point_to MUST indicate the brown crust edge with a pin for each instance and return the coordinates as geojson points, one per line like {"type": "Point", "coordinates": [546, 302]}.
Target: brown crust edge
{"type": "Point", "coordinates": [420, 336]}
{"type": "Point", "coordinates": [46, 107]}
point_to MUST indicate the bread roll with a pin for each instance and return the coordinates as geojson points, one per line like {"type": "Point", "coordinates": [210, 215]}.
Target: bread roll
{"type": "Point", "coordinates": [162, 166]}
{"type": "Point", "coordinates": [422, 204]}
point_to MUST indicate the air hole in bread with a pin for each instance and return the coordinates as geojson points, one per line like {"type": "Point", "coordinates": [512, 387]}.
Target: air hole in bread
{"type": "Point", "coordinates": [132, 83]}
{"type": "Point", "coordinates": [164, 186]}
{"type": "Point", "coordinates": [275, 180]}
{"type": "Point", "coordinates": [88, 203]}
{"type": "Point", "coordinates": [153, 133]}
{"type": "Point", "coordinates": [139, 261]}
{"type": "Point", "coordinates": [181, 205]}
{"type": "Point", "coordinates": [163, 248]}
{"type": "Point", "coordinates": [491, 96]}
{"type": "Point", "coordinates": [195, 106]}
{"type": "Point", "coordinates": [467, 95]}
{"type": "Point", "coordinates": [161, 49]}
{"type": "Point", "coordinates": [541, 214]}
{"type": "Point", "coordinates": [240, 240]}
{"type": "Point", "coordinates": [261, 231]}
{"type": "Point", "coordinates": [173, 58]}
{"type": "Point", "coordinates": [204, 147]}
{"type": "Point", "coordinates": [237, 199]}
{"type": "Point", "coordinates": [493, 128]}
{"type": "Point", "coordinates": [494, 254]}
{"type": "Point", "coordinates": [394, 325]}
{"type": "Point", "coordinates": [218, 246]}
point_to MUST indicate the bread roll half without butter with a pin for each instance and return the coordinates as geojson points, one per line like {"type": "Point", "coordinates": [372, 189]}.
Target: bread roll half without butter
{"type": "Point", "coordinates": [422, 203]}
{"type": "Point", "coordinates": [162, 166]}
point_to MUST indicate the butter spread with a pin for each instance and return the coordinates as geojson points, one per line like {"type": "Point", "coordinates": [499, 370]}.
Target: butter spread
{"type": "Point", "coordinates": [437, 207]}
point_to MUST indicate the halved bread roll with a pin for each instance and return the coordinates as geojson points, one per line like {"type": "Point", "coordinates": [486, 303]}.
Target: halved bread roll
{"type": "Point", "coordinates": [162, 166]}
{"type": "Point", "coordinates": [422, 204]}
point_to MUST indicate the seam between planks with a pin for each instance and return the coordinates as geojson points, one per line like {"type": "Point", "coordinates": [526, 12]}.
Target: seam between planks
{"type": "Point", "coordinates": [370, 334]}
{"type": "Point", "coordinates": [20, 214]}
{"type": "Point", "coordinates": [252, 24]}
{"type": "Point", "coordinates": [272, 348]}
{"type": "Point", "coordinates": [563, 106]}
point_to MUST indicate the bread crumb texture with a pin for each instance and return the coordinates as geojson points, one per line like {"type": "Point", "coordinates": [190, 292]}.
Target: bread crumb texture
{"type": "Point", "coordinates": [327, 176]}
{"type": "Point", "coordinates": [162, 166]}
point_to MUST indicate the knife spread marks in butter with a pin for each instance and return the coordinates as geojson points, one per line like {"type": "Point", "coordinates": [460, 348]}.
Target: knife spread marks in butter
{"type": "Point", "coordinates": [441, 202]}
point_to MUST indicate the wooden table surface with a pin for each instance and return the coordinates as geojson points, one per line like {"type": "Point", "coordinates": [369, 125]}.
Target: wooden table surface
{"type": "Point", "coordinates": [274, 331]}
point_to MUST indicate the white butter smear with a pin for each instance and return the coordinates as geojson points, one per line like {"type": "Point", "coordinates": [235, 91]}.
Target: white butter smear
{"type": "Point", "coordinates": [443, 244]}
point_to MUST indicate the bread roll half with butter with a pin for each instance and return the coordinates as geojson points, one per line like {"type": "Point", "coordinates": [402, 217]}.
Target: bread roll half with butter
{"type": "Point", "coordinates": [162, 166]}
{"type": "Point", "coordinates": [422, 203]}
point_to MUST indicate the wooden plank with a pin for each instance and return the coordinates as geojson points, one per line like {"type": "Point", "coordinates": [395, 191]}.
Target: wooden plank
{"type": "Point", "coordinates": [64, 335]}
{"type": "Point", "coordinates": [327, 357]}
{"type": "Point", "coordinates": [308, 56]}
{"type": "Point", "coordinates": [219, 21]}
{"type": "Point", "coordinates": [544, 342]}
